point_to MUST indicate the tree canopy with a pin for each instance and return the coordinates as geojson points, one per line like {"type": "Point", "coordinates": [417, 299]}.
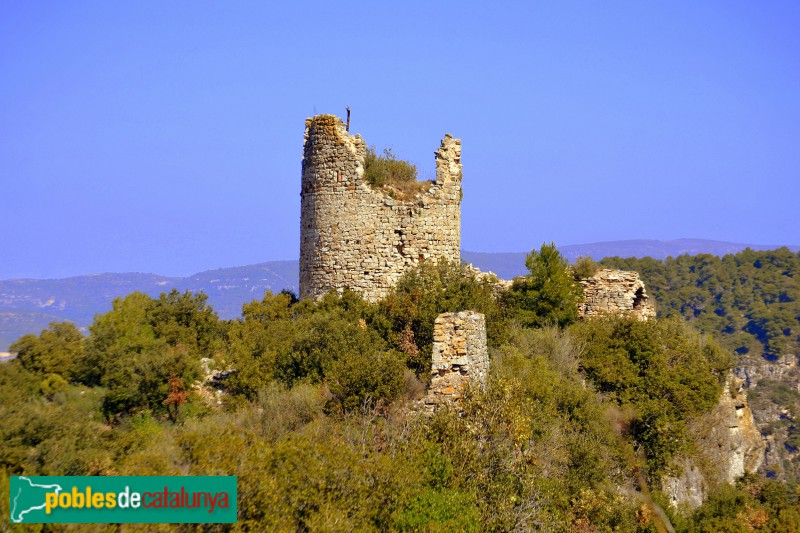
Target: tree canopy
{"type": "Point", "coordinates": [548, 294]}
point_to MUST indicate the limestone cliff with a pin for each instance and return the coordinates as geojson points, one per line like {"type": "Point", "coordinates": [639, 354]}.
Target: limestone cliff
{"type": "Point", "coordinates": [773, 387]}
{"type": "Point", "coordinates": [728, 444]}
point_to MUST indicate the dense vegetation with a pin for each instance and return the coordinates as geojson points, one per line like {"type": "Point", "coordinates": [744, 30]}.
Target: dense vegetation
{"type": "Point", "coordinates": [749, 300]}
{"type": "Point", "coordinates": [318, 417]}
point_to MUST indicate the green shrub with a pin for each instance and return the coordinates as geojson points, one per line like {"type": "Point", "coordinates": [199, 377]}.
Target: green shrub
{"type": "Point", "coordinates": [396, 176]}
{"type": "Point", "coordinates": [409, 310]}
{"type": "Point", "coordinates": [440, 510]}
{"type": "Point", "coordinates": [366, 378]}
{"type": "Point", "coordinates": [57, 350]}
{"type": "Point", "coordinates": [142, 381]}
{"type": "Point", "coordinates": [584, 267]}
{"type": "Point", "coordinates": [255, 342]}
{"type": "Point", "coordinates": [662, 369]}
{"type": "Point", "coordinates": [321, 340]}
{"type": "Point", "coordinates": [386, 169]}
{"type": "Point", "coordinates": [53, 383]}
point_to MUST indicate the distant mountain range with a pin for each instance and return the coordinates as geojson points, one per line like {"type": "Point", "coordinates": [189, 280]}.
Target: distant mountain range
{"type": "Point", "coordinates": [29, 305]}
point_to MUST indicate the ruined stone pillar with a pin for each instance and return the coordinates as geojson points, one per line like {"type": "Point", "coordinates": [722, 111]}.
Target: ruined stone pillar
{"type": "Point", "coordinates": [460, 357]}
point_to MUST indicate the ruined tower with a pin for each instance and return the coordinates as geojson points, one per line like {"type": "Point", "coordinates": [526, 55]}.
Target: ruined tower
{"type": "Point", "coordinates": [355, 237]}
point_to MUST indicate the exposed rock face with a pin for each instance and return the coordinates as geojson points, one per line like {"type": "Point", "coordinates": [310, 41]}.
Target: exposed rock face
{"type": "Point", "coordinates": [615, 292]}
{"type": "Point", "coordinates": [745, 445]}
{"type": "Point", "coordinates": [689, 488]}
{"type": "Point", "coordinates": [753, 369]}
{"type": "Point", "coordinates": [778, 413]}
{"type": "Point", "coordinates": [460, 357]}
{"type": "Point", "coordinates": [211, 386]}
{"type": "Point", "coordinates": [355, 237]}
{"type": "Point", "coordinates": [728, 444]}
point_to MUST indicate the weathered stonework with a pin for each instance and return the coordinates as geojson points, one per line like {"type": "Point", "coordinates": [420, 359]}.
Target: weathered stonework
{"type": "Point", "coordinates": [460, 357]}
{"type": "Point", "coordinates": [355, 237]}
{"type": "Point", "coordinates": [615, 292]}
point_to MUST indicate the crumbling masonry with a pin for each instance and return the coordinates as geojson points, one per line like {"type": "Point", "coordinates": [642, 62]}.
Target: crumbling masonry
{"type": "Point", "coordinates": [355, 237]}
{"type": "Point", "coordinates": [460, 357]}
{"type": "Point", "coordinates": [615, 292]}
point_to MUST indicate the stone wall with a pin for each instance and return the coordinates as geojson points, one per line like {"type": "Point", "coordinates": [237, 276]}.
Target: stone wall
{"type": "Point", "coordinates": [355, 237]}
{"type": "Point", "coordinates": [460, 357]}
{"type": "Point", "coordinates": [615, 292]}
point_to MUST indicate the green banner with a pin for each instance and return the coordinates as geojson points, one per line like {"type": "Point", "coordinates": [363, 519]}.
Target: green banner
{"type": "Point", "coordinates": [122, 499]}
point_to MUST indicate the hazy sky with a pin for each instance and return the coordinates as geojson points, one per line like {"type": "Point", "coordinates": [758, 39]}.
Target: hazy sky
{"type": "Point", "coordinates": [167, 137]}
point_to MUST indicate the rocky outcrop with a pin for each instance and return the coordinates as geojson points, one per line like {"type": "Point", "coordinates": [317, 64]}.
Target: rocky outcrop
{"type": "Point", "coordinates": [460, 357]}
{"type": "Point", "coordinates": [773, 385]}
{"type": "Point", "coordinates": [753, 369]}
{"type": "Point", "coordinates": [615, 292]}
{"type": "Point", "coordinates": [728, 443]}
{"type": "Point", "coordinates": [745, 445]}
{"type": "Point", "coordinates": [211, 386]}
{"type": "Point", "coordinates": [689, 487]}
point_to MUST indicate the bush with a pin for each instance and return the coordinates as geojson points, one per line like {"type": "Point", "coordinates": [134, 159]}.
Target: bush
{"type": "Point", "coordinates": [440, 510]}
{"type": "Point", "coordinates": [363, 378]}
{"type": "Point", "coordinates": [662, 369]}
{"type": "Point", "coordinates": [255, 342]}
{"type": "Point", "coordinates": [584, 267]}
{"type": "Point", "coordinates": [421, 295]}
{"type": "Point", "coordinates": [397, 176]}
{"type": "Point", "coordinates": [386, 169]}
{"type": "Point", "coordinates": [142, 381]}
{"type": "Point", "coordinates": [57, 350]}
{"type": "Point", "coordinates": [321, 340]}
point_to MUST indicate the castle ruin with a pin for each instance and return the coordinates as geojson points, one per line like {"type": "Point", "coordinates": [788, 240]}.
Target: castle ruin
{"type": "Point", "coordinates": [355, 237]}
{"type": "Point", "coordinates": [615, 292]}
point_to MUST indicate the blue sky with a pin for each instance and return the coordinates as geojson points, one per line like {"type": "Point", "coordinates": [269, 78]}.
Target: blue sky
{"type": "Point", "coordinates": [167, 136]}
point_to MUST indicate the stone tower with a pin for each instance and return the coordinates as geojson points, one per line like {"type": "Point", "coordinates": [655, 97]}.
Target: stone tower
{"type": "Point", "coordinates": [355, 237]}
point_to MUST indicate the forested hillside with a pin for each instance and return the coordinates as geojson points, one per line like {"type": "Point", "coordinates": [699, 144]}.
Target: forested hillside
{"type": "Point", "coordinates": [315, 407]}
{"type": "Point", "coordinates": [750, 302]}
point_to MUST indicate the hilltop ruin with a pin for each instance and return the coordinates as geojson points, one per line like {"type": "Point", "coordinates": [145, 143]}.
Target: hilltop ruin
{"type": "Point", "coordinates": [359, 238]}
